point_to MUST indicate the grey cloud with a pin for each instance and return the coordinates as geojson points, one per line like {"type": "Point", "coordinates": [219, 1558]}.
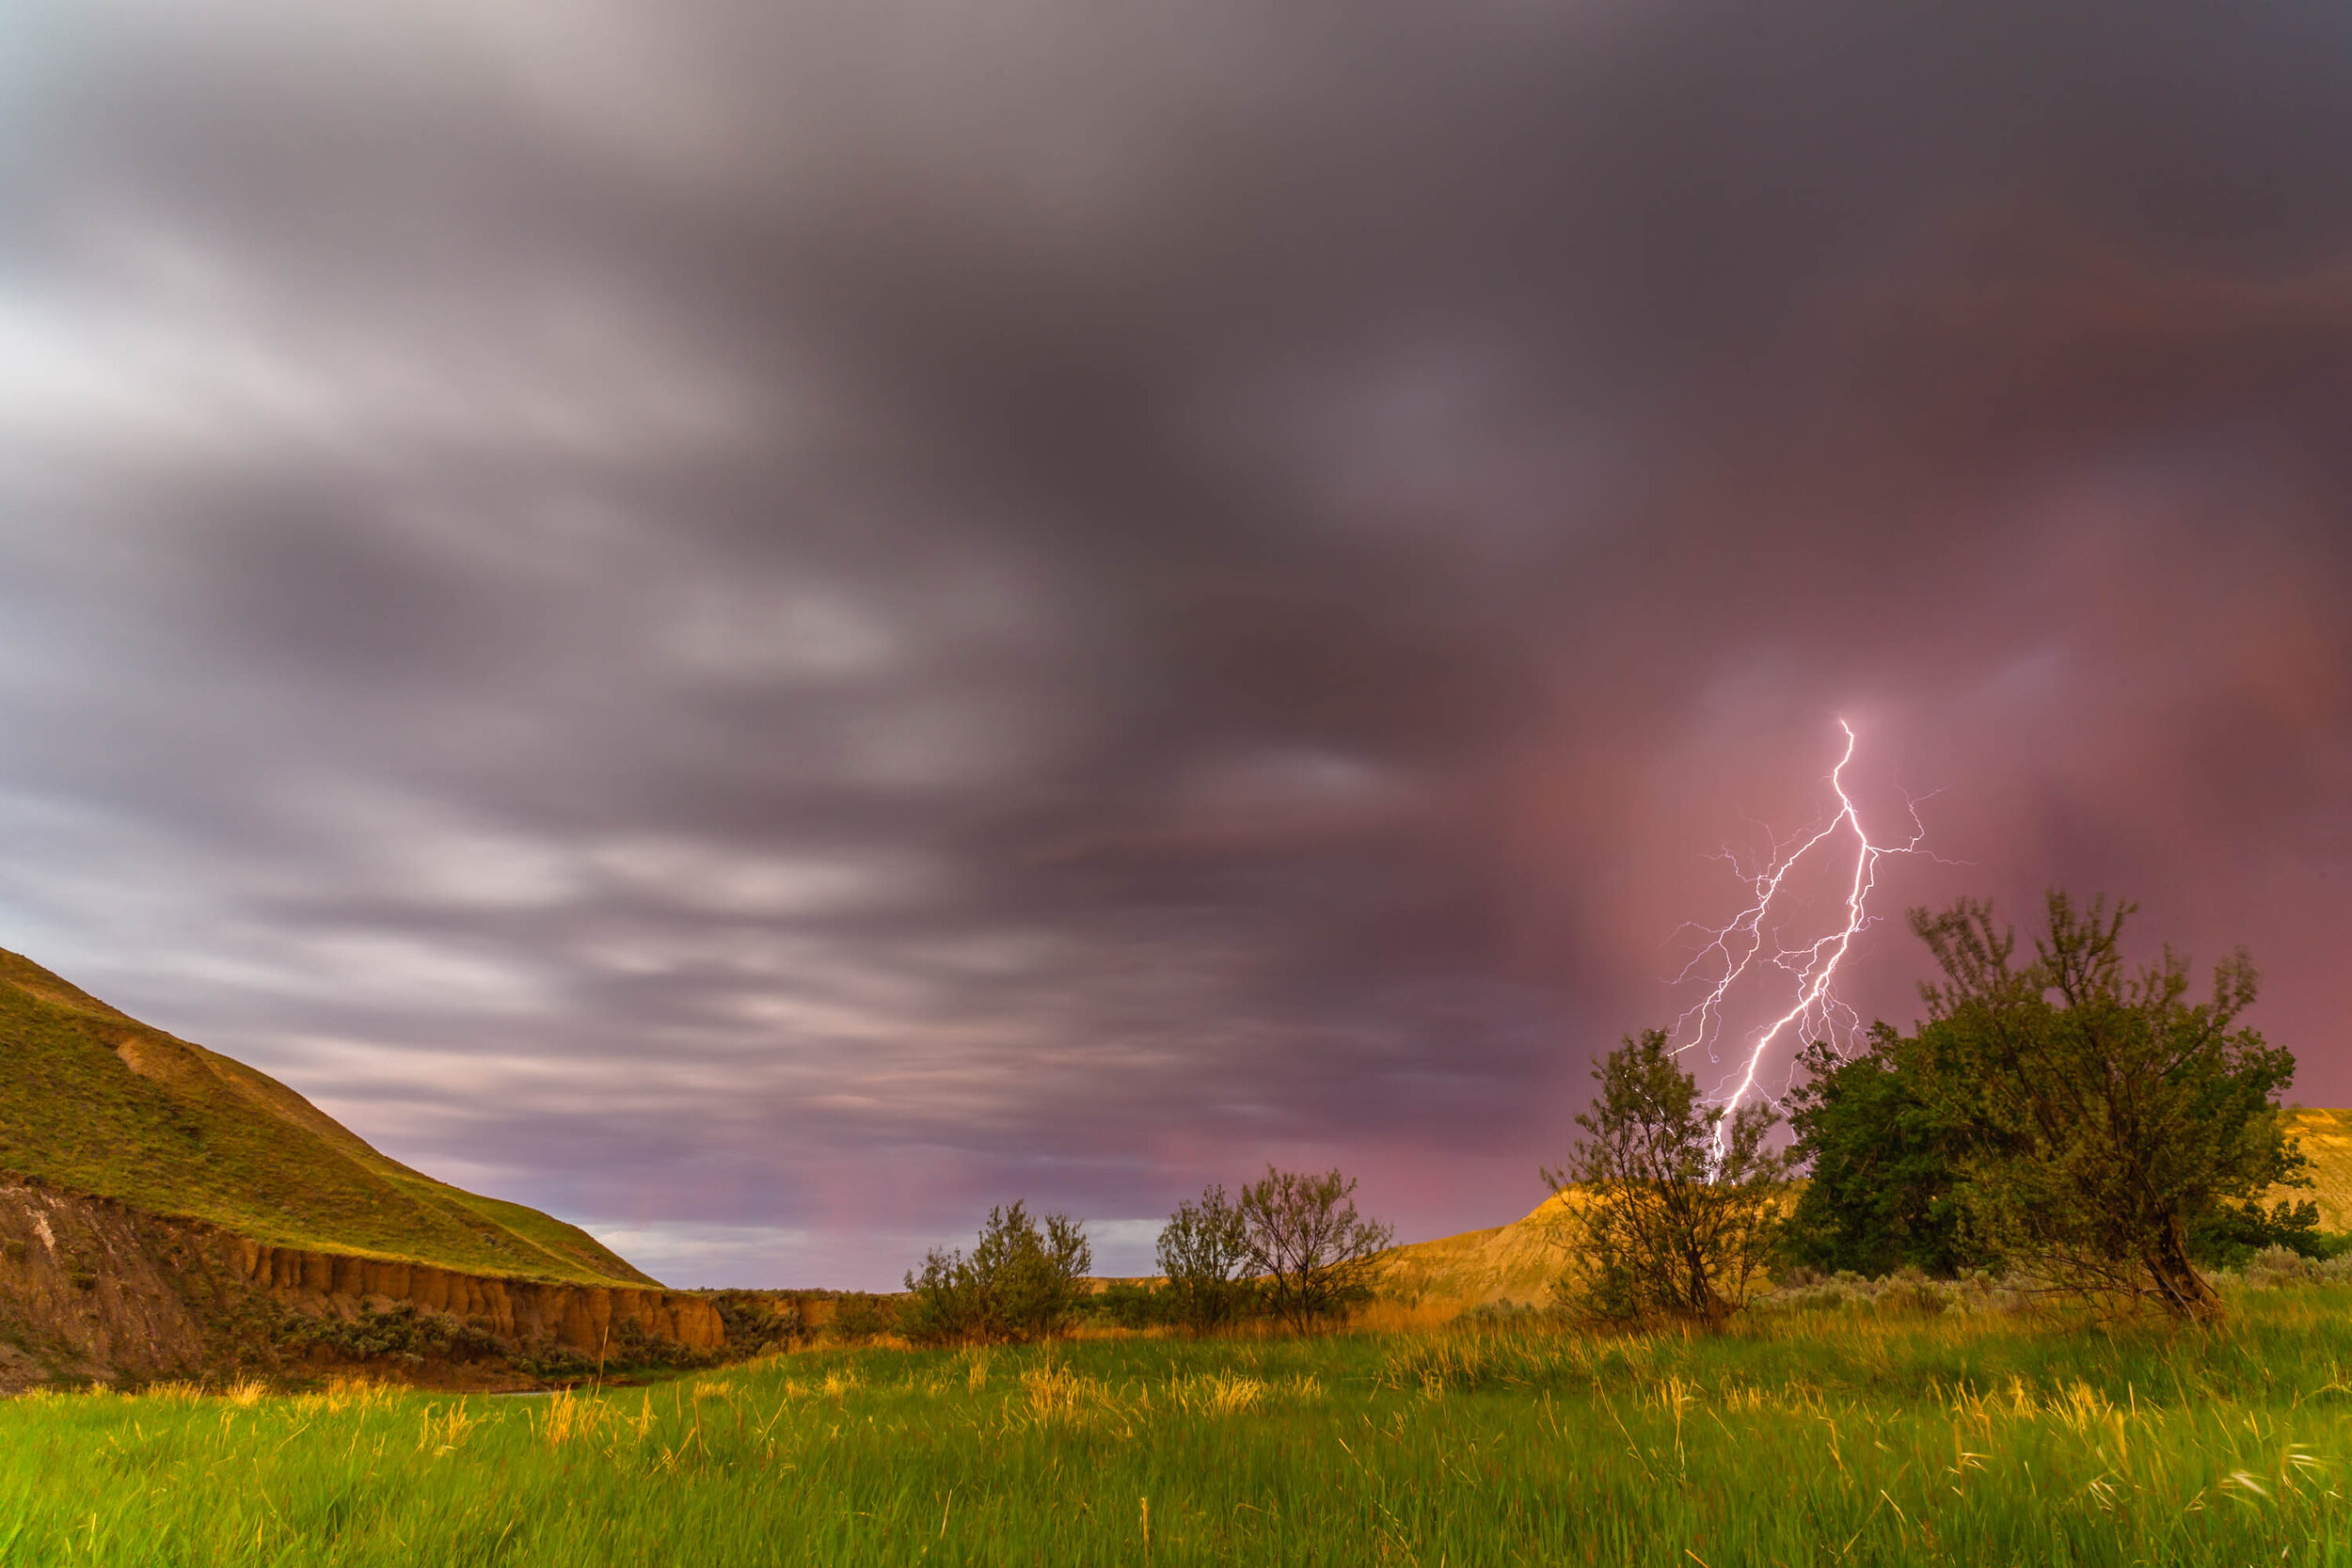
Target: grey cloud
{"type": "Point", "coordinates": [767, 627]}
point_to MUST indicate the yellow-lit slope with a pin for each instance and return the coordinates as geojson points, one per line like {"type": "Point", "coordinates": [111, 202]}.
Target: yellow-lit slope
{"type": "Point", "coordinates": [2327, 1140]}
{"type": "Point", "coordinates": [1514, 1262]}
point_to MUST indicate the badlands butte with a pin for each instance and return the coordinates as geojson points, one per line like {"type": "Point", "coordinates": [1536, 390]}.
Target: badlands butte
{"type": "Point", "coordinates": [166, 1213]}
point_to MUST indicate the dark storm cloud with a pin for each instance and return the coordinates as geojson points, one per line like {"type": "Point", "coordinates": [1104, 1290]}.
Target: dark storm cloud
{"type": "Point", "coordinates": [766, 628]}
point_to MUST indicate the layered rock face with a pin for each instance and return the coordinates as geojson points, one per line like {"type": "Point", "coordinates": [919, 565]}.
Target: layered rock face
{"type": "Point", "coordinates": [94, 1288]}
{"type": "Point", "coordinates": [583, 1318]}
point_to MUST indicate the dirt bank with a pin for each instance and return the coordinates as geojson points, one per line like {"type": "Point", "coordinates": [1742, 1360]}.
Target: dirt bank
{"type": "Point", "coordinates": [92, 1289]}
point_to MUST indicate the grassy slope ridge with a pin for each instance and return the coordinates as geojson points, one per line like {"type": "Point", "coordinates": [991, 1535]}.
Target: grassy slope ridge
{"type": "Point", "coordinates": [1518, 1261]}
{"type": "Point", "coordinates": [93, 1099]}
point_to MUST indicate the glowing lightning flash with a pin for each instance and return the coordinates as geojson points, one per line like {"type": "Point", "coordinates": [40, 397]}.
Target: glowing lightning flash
{"type": "Point", "coordinates": [1814, 966]}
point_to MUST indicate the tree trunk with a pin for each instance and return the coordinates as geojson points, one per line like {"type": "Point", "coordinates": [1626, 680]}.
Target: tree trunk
{"type": "Point", "coordinates": [2178, 1286]}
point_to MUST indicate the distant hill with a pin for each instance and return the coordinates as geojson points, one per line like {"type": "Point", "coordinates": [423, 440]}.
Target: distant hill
{"type": "Point", "coordinates": [2327, 1140]}
{"type": "Point", "coordinates": [1518, 1262]}
{"type": "Point", "coordinates": [94, 1101]}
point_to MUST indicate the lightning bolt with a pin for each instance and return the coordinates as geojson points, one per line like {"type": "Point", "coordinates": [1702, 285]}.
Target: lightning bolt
{"type": "Point", "coordinates": [1733, 950]}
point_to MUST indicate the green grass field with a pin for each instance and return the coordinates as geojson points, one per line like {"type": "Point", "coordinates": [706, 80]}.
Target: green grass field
{"type": "Point", "coordinates": [1861, 1435]}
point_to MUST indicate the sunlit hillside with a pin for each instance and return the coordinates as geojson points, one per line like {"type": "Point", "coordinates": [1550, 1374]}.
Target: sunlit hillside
{"type": "Point", "coordinates": [1515, 1262]}
{"type": "Point", "coordinates": [94, 1101]}
{"type": "Point", "coordinates": [2327, 1140]}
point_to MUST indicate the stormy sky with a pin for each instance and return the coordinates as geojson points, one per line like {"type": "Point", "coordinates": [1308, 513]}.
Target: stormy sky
{"type": "Point", "coordinates": [765, 626]}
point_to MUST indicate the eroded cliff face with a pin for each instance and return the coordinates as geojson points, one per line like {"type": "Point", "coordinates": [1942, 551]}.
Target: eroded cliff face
{"type": "Point", "coordinates": [92, 1289]}
{"type": "Point", "coordinates": [583, 1318]}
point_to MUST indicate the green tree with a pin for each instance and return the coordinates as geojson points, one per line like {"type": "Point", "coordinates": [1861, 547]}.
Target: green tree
{"type": "Point", "coordinates": [1885, 1175]}
{"type": "Point", "coordinates": [1882, 1167]}
{"type": "Point", "coordinates": [1204, 1249]}
{"type": "Point", "coordinates": [1673, 1206]}
{"type": "Point", "coordinates": [1022, 1282]}
{"type": "Point", "coordinates": [1313, 1252]}
{"type": "Point", "coordinates": [2101, 1115]}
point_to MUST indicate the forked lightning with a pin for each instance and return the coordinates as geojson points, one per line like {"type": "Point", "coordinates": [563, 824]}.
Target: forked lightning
{"type": "Point", "coordinates": [1813, 968]}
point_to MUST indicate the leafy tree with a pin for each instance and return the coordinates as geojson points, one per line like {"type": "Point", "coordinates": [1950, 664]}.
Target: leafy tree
{"type": "Point", "coordinates": [1882, 1171]}
{"type": "Point", "coordinates": [1204, 1249]}
{"type": "Point", "coordinates": [2101, 1115]}
{"type": "Point", "coordinates": [1022, 1282]}
{"type": "Point", "coordinates": [1673, 1205]}
{"type": "Point", "coordinates": [1314, 1252]}
{"type": "Point", "coordinates": [1883, 1193]}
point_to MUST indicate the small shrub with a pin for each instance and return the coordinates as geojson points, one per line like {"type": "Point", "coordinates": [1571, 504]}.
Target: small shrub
{"type": "Point", "coordinates": [1124, 1304]}
{"type": "Point", "coordinates": [631, 1346]}
{"type": "Point", "coordinates": [550, 1362]}
{"type": "Point", "coordinates": [859, 1318]}
{"type": "Point", "coordinates": [2232, 1234]}
{"type": "Point", "coordinates": [1022, 1282]}
{"type": "Point", "coordinates": [1906, 1291]}
{"type": "Point", "coordinates": [1504, 1313]}
{"type": "Point", "coordinates": [2274, 1266]}
{"type": "Point", "coordinates": [1202, 1249]}
{"type": "Point", "coordinates": [758, 1321]}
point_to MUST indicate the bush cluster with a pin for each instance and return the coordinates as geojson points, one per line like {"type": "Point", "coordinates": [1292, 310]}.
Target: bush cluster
{"type": "Point", "coordinates": [2065, 1121]}
{"type": "Point", "coordinates": [1906, 1288]}
{"type": "Point", "coordinates": [1292, 1246]}
{"type": "Point", "coordinates": [859, 1317]}
{"type": "Point", "coordinates": [401, 1331]}
{"type": "Point", "coordinates": [631, 1346]}
{"type": "Point", "coordinates": [2278, 1265]}
{"type": "Point", "coordinates": [1131, 1304]}
{"type": "Point", "coordinates": [760, 1321]}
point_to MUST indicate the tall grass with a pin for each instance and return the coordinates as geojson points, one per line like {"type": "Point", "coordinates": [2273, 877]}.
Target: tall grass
{"type": "Point", "coordinates": [1885, 1435]}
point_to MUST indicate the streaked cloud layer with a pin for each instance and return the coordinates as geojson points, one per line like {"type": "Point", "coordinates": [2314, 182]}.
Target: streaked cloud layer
{"type": "Point", "coordinates": [765, 626]}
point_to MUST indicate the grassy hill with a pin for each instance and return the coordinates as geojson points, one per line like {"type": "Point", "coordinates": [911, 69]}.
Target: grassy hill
{"type": "Point", "coordinates": [1518, 1261]}
{"type": "Point", "coordinates": [93, 1100]}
